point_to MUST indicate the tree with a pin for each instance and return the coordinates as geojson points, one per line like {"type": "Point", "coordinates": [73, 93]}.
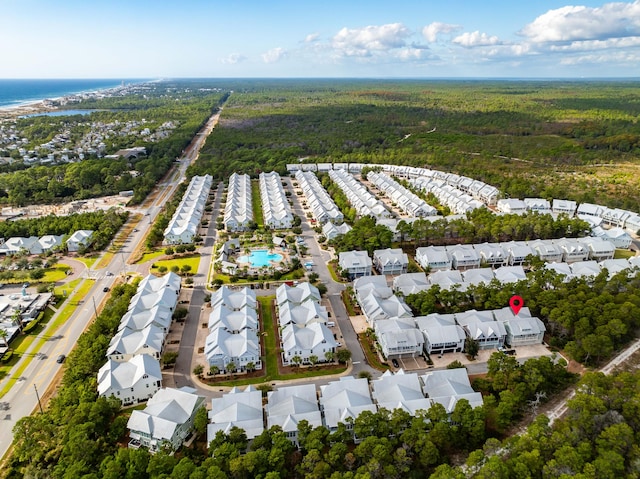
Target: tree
{"type": "Point", "coordinates": [3, 337]}
{"type": "Point", "coordinates": [296, 360]}
{"type": "Point", "coordinates": [213, 369]}
{"type": "Point", "coordinates": [231, 367]}
{"type": "Point", "coordinates": [251, 366]}
{"type": "Point", "coordinates": [37, 274]}
{"type": "Point", "coordinates": [313, 359]}
{"type": "Point", "coordinates": [200, 421]}
{"type": "Point", "coordinates": [169, 251]}
{"type": "Point", "coordinates": [328, 356]}
{"type": "Point", "coordinates": [185, 268]}
{"type": "Point", "coordinates": [455, 365]}
{"type": "Point", "coordinates": [198, 369]}
{"type": "Point", "coordinates": [471, 347]}
{"type": "Point", "coordinates": [343, 355]}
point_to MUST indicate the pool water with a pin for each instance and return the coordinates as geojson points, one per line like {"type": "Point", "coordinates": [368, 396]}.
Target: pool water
{"type": "Point", "coordinates": [260, 258]}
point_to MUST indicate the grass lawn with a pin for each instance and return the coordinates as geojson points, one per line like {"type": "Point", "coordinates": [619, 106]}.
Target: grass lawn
{"type": "Point", "coordinates": [88, 260]}
{"type": "Point", "coordinates": [57, 273]}
{"type": "Point", "coordinates": [150, 256]}
{"type": "Point", "coordinates": [72, 303]}
{"type": "Point", "coordinates": [257, 203]}
{"type": "Point", "coordinates": [105, 260]}
{"type": "Point", "coordinates": [192, 260]}
{"type": "Point", "coordinates": [68, 287]}
{"type": "Point", "coordinates": [372, 357]}
{"type": "Point", "coordinates": [623, 254]}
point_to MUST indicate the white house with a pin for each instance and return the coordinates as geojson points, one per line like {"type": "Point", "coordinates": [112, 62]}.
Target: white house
{"type": "Point", "coordinates": [287, 406]}
{"type": "Point", "coordinates": [343, 399]}
{"type": "Point", "coordinates": [238, 211]}
{"type": "Point", "coordinates": [410, 283]}
{"type": "Point", "coordinates": [572, 250]}
{"type": "Point", "coordinates": [617, 236]}
{"type": "Point", "coordinates": [517, 252]}
{"type": "Point", "coordinates": [331, 230]}
{"type": "Point", "coordinates": [512, 206]}
{"type": "Point", "coordinates": [510, 274]}
{"type": "Point", "coordinates": [547, 251]}
{"type": "Point", "coordinates": [600, 249]}
{"type": "Point", "coordinates": [315, 339]}
{"type": "Point", "coordinates": [441, 333]}
{"type": "Point", "coordinates": [464, 256]}
{"type": "Point", "coordinates": [447, 279]}
{"type": "Point", "coordinates": [585, 269]}
{"type": "Point", "coordinates": [390, 261]}
{"type": "Point", "coordinates": [433, 258]}
{"type": "Point", "coordinates": [234, 299]}
{"type": "Point", "coordinates": [79, 239]}
{"type": "Point", "coordinates": [128, 343]}
{"type": "Point", "coordinates": [399, 337]}
{"type": "Point", "coordinates": [483, 328]}
{"type": "Point", "coordinates": [302, 315]}
{"type": "Point", "coordinates": [237, 408]}
{"type": "Point", "coordinates": [478, 276]}
{"type": "Point", "coordinates": [522, 329]}
{"type": "Point", "coordinates": [399, 391]}
{"type": "Point", "coordinates": [131, 381]}
{"type": "Point", "coordinates": [166, 422]}
{"type": "Point", "coordinates": [491, 254]}
{"type": "Point", "coordinates": [241, 348]}
{"type": "Point", "coordinates": [449, 386]}
{"type": "Point", "coordinates": [296, 295]}
{"type": "Point", "coordinates": [184, 223]}
{"type": "Point", "coordinates": [566, 207]}
{"type": "Point", "coordinates": [355, 263]}
{"type": "Point", "coordinates": [538, 205]}
{"type": "Point", "coordinates": [275, 206]}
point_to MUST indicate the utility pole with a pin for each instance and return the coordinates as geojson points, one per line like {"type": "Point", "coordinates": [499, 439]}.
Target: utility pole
{"type": "Point", "coordinates": [38, 396]}
{"type": "Point", "coordinates": [95, 311]}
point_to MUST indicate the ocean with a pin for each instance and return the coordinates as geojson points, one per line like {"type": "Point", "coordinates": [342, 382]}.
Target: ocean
{"type": "Point", "coordinates": [17, 92]}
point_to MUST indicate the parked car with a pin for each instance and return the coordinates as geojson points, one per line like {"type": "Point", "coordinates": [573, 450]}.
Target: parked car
{"type": "Point", "coordinates": [395, 363]}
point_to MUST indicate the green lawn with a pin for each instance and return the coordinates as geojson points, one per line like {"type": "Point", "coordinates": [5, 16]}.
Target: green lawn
{"type": "Point", "coordinates": [68, 287]}
{"type": "Point", "coordinates": [623, 254]}
{"type": "Point", "coordinates": [88, 261]}
{"type": "Point", "coordinates": [57, 273]}
{"type": "Point", "coordinates": [192, 260]}
{"type": "Point", "coordinates": [150, 256]}
{"type": "Point", "coordinates": [256, 203]}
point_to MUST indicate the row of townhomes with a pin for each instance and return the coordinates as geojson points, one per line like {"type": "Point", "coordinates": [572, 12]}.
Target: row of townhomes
{"type": "Point", "coordinates": [275, 205]}
{"type": "Point", "coordinates": [322, 205]}
{"type": "Point", "coordinates": [365, 203]}
{"type": "Point", "coordinates": [132, 372]}
{"type": "Point", "coordinates": [355, 264]}
{"type": "Point", "coordinates": [405, 199]}
{"type": "Point", "coordinates": [238, 212]}
{"type": "Point", "coordinates": [233, 342]}
{"type": "Point", "coordinates": [184, 224]}
{"type": "Point", "coordinates": [399, 334]}
{"type": "Point", "coordinates": [303, 325]}
{"type": "Point", "coordinates": [35, 245]}
{"type": "Point", "coordinates": [462, 194]}
{"type": "Point", "coordinates": [337, 402]}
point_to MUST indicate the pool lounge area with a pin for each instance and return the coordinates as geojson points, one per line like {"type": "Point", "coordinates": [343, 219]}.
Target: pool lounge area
{"type": "Point", "coordinates": [260, 258]}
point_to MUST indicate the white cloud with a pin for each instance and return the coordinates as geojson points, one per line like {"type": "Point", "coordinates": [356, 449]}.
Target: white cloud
{"type": "Point", "coordinates": [362, 42]}
{"type": "Point", "coordinates": [414, 53]}
{"type": "Point", "coordinates": [274, 55]}
{"type": "Point", "coordinates": [591, 45]}
{"type": "Point", "coordinates": [312, 37]}
{"type": "Point", "coordinates": [431, 31]}
{"type": "Point", "coordinates": [585, 23]}
{"type": "Point", "coordinates": [475, 39]}
{"type": "Point", "coordinates": [233, 58]}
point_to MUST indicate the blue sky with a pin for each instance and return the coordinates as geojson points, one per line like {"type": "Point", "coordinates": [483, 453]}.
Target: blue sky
{"type": "Point", "coordinates": [328, 38]}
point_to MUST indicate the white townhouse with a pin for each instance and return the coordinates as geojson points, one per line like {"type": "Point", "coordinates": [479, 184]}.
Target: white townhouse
{"type": "Point", "coordinates": [538, 205]}
{"type": "Point", "coordinates": [491, 254]}
{"type": "Point", "coordinates": [512, 206]}
{"type": "Point", "coordinates": [522, 329]}
{"type": "Point", "coordinates": [448, 386]}
{"type": "Point", "coordinates": [399, 337]}
{"type": "Point", "coordinates": [166, 422]}
{"type": "Point", "coordinates": [237, 408]}
{"type": "Point", "coordinates": [547, 251]}
{"type": "Point", "coordinates": [238, 211]}
{"type": "Point", "coordinates": [589, 209]}
{"type": "Point", "coordinates": [563, 269]}
{"type": "Point", "coordinates": [615, 266]}
{"type": "Point", "coordinates": [19, 245]}
{"type": "Point", "coordinates": [381, 303]}
{"type": "Point", "coordinates": [233, 298]}
{"type": "Point", "coordinates": [49, 243]}
{"type": "Point", "coordinates": [566, 207]}
{"type": "Point", "coordinates": [390, 261]}
{"type": "Point", "coordinates": [275, 205]}
{"type": "Point", "coordinates": [410, 283]}
{"type": "Point", "coordinates": [343, 399]}
{"type": "Point", "coordinates": [406, 200]}
{"type": "Point", "coordinates": [434, 258]}
{"type": "Point", "coordinates": [357, 194]}
{"type": "Point", "coordinates": [128, 343]}
{"type": "Point", "coordinates": [464, 257]}
{"type": "Point", "coordinates": [572, 250]}
{"type": "Point", "coordinates": [355, 263]}
{"type": "Point", "coordinates": [131, 381]}
{"type": "Point", "coordinates": [599, 248]}
{"type": "Point", "coordinates": [615, 216]}
{"type": "Point", "coordinates": [482, 327]}
{"type": "Point", "coordinates": [79, 239]}
{"type": "Point", "coordinates": [296, 295]}
{"type": "Point", "coordinates": [441, 333]}
{"type": "Point", "coordinates": [477, 276]}
{"type": "Point", "coordinates": [331, 230]}
{"type": "Point", "coordinates": [447, 279]}
{"type": "Point", "coordinates": [302, 315]}
{"type": "Point", "coordinates": [184, 223]}
{"type": "Point", "coordinates": [517, 252]}
{"type": "Point", "coordinates": [241, 349]}
{"type": "Point", "coordinates": [287, 406]}
{"type": "Point", "coordinates": [157, 316]}
{"type": "Point", "coordinates": [617, 236]}
{"type": "Point", "coordinates": [315, 339]}
{"type": "Point", "coordinates": [585, 269]}
{"type": "Point", "coordinates": [399, 391]}
{"type": "Point", "coordinates": [510, 274]}
{"type": "Point", "coordinates": [233, 320]}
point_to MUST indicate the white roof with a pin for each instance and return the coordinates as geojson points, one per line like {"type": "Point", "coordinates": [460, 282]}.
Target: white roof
{"type": "Point", "coordinates": [449, 386]}
{"type": "Point", "coordinates": [115, 376]}
{"type": "Point", "coordinates": [347, 397]}
{"type": "Point", "coordinates": [309, 337]}
{"type": "Point", "coordinates": [287, 406]}
{"type": "Point", "coordinates": [400, 391]}
{"type": "Point", "coordinates": [238, 408]}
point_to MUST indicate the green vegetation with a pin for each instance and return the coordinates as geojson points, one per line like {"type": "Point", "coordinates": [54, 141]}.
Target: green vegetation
{"type": "Point", "coordinates": [190, 261]}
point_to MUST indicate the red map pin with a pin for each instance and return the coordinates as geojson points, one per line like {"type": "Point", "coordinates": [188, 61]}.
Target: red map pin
{"type": "Point", "coordinates": [516, 302]}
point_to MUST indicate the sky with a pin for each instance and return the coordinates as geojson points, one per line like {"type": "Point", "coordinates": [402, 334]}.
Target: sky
{"type": "Point", "coordinates": [327, 38]}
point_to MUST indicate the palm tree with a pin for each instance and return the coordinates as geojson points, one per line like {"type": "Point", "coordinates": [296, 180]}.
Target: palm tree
{"type": "Point", "coordinates": [329, 355]}
{"type": "Point", "coordinates": [313, 359]}
{"type": "Point", "coordinates": [250, 366]}
{"type": "Point", "coordinates": [213, 370]}
{"type": "Point", "coordinates": [231, 367]}
{"type": "Point", "coordinates": [3, 337]}
{"type": "Point", "coordinates": [296, 360]}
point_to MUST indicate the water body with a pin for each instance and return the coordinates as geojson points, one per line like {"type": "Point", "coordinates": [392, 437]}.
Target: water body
{"type": "Point", "coordinates": [19, 92]}
{"type": "Point", "coordinates": [260, 258]}
{"type": "Point", "coordinates": [62, 113]}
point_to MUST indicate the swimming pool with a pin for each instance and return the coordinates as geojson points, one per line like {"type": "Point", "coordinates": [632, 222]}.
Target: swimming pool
{"type": "Point", "coordinates": [260, 258]}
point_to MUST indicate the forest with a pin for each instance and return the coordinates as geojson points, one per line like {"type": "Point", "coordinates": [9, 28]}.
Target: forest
{"type": "Point", "coordinates": [569, 140]}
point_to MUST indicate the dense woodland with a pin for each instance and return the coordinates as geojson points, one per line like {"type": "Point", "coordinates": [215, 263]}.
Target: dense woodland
{"type": "Point", "coordinates": [186, 106]}
{"type": "Point", "coordinates": [570, 140]}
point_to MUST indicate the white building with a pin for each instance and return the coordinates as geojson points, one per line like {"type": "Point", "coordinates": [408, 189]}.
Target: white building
{"type": "Point", "coordinates": [315, 339]}
{"type": "Point", "coordinates": [131, 381]}
{"type": "Point", "coordinates": [390, 261]}
{"type": "Point", "coordinates": [434, 258]}
{"type": "Point", "coordinates": [79, 239]}
{"type": "Point", "coordinates": [275, 206]}
{"type": "Point", "coordinates": [449, 386]}
{"type": "Point", "coordinates": [184, 223]}
{"type": "Point", "coordinates": [237, 408]}
{"type": "Point", "coordinates": [166, 422]}
{"type": "Point", "coordinates": [238, 211]}
{"type": "Point", "coordinates": [343, 399]}
{"type": "Point", "coordinates": [355, 263]}
{"type": "Point", "coordinates": [441, 333]}
{"type": "Point", "coordinates": [482, 327]}
{"type": "Point", "coordinates": [399, 337]}
{"type": "Point", "coordinates": [410, 283]}
{"type": "Point", "coordinates": [287, 406]}
{"type": "Point", "coordinates": [400, 391]}
{"type": "Point", "coordinates": [617, 236]}
{"type": "Point", "coordinates": [322, 206]}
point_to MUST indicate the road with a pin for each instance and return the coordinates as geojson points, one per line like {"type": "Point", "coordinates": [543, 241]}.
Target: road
{"type": "Point", "coordinates": [22, 399]}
